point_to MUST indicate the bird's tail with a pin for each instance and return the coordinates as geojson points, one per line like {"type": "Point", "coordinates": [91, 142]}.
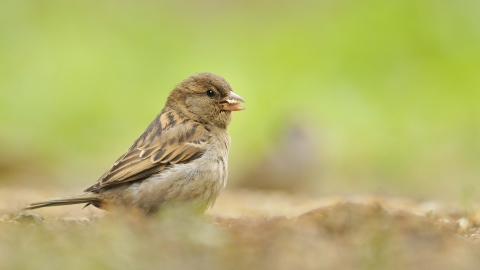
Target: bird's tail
{"type": "Point", "coordinates": [86, 197]}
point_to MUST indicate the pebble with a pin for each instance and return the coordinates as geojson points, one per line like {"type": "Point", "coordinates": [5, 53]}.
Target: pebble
{"type": "Point", "coordinates": [463, 224]}
{"type": "Point", "coordinates": [28, 219]}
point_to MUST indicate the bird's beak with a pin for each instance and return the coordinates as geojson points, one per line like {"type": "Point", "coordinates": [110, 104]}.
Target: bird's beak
{"type": "Point", "coordinates": [232, 102]}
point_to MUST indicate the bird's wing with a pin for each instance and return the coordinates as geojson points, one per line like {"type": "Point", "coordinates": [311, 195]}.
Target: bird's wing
{"type": "Point", "coordinates": [168, 140]}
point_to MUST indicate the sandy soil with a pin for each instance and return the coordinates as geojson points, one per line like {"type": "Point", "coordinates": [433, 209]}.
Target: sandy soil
{"type": "Point", "coordinates": [245, 229]}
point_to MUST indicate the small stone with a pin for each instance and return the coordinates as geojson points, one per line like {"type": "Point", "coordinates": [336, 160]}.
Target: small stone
{"type": "Point", "coordinates": [28, 219]}
{"type": "Point", "coordinates": [463, 224]}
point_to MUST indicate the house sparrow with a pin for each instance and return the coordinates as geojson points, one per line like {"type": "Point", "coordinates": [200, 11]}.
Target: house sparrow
{"type": "Point", "coordinates": [180, 158]}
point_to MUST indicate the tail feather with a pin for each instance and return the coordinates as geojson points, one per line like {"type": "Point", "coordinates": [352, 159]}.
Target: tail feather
{"type": "Point", "coordinates": [65, 200]}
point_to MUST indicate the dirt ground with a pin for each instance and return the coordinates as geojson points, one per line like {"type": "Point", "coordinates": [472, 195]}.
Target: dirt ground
{"type": "Point", "coordinates": [245, 230]}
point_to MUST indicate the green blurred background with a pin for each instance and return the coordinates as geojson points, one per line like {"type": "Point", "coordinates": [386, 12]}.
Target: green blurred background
{"type": "Point", "coordinates": [343, 97]}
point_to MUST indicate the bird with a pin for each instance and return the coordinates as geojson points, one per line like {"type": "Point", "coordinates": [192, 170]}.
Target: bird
{"type": "Point", "coordinates": [291, 164]}
{"type": "Point", "coordinates": [181, 158]}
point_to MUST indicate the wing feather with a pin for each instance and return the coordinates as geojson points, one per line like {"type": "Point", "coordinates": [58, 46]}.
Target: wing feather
{"type": "Point", "coordinates": [168, 140]}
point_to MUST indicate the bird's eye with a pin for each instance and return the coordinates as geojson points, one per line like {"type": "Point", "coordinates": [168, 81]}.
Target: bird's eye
{"type": "Point", "coordinates": [210, 93]}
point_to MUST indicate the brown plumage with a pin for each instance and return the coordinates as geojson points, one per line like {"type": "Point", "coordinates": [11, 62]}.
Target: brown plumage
{"type": "Point", "coordinates": [180, 158]}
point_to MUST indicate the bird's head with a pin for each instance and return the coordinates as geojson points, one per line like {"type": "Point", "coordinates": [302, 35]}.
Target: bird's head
{"type": "Point", "coordinates": [206, 98]}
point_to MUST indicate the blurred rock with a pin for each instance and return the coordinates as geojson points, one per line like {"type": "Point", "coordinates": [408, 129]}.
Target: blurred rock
{"type": "Point", "coordinates": [27, 219]}
{"type": "Point", "coordinates": [463, 224]}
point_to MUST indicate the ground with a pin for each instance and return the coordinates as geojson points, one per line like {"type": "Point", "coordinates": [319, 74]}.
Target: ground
{"type": "Point", "coordinates": [245, 229]}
